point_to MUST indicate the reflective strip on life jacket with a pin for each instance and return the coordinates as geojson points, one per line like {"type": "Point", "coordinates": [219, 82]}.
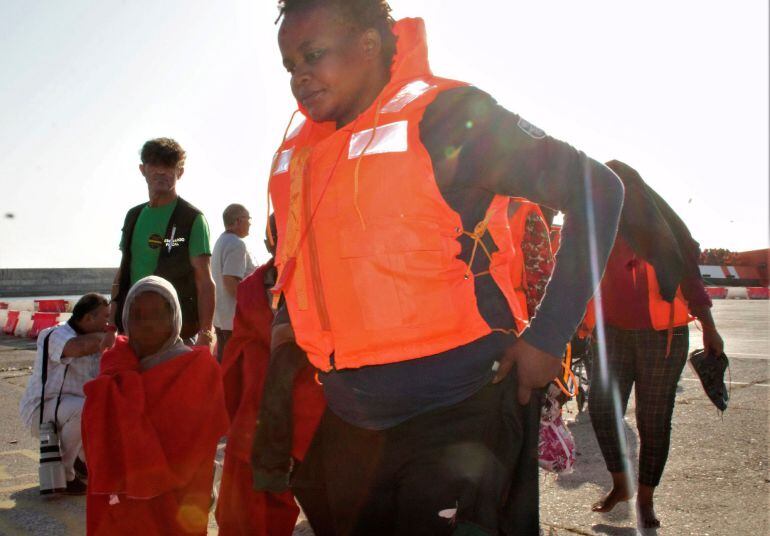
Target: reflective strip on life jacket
{"type": "Point", "coordinates": [390, 138]}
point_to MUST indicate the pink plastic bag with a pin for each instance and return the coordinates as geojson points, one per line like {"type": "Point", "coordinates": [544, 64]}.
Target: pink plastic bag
{"type": "Point", "coordinates": [556, 447]}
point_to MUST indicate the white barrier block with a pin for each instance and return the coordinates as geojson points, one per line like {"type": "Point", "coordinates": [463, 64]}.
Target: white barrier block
{"type": "Point", "coordinates": [24, 324]}
{"type": "Point", "coordinates": [3, 318]}
{"type": "Point", "coordinates": [21, 305]}
{"type": "Point", "coordinates": [63, 317]}
{"type": "Point", "coordinates": [737, 293]}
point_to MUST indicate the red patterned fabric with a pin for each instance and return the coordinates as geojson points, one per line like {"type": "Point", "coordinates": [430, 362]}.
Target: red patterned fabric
{"type": "Point", "coordinates": [538, 259]}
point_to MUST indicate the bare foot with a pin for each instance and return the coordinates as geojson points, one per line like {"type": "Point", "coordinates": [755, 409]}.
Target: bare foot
{"type": "Point", "coordinates": [616, 495]}
{"type": "Point", "coordinates": [646, 515]}
{"type": "Point", "coordinates": [644, 508]}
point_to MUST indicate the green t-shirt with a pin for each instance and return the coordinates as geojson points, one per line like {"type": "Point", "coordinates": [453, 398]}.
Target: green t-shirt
{"type": "Point", "coordinates": [149, 231]}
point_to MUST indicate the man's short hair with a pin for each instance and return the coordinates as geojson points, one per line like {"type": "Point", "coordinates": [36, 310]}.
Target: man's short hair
{"type": "Point", "coordinates": [232, 213]}
{"type": "Point", "coordinates": [88, 304]}
{"type": "Point", "coordinates": [163, 152]}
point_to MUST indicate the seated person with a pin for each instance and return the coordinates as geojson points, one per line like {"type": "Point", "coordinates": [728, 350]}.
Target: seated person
{"type": "Point", "coordinates": [74, 348]}
{"type": "Point", "coordinates": [151, 423]}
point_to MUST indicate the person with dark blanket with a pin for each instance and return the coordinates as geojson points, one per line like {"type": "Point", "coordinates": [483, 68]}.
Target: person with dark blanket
{"type": "Point", "coordinates": [394, 259]}
{"type": "Point", "coordinates": [242, 508]}
{"type": "Point", "coordinates": [650, 291]}
{"type": "Point", "coordinates": [168, 237]}
{"type": "Point", "coordinates": [151, 423]}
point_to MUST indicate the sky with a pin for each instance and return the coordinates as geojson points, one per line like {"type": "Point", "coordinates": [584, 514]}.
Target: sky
{"type": "Point", "coordinates": [678, 90]}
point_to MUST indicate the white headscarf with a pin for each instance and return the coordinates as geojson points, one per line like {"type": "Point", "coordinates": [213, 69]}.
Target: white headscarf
{"type": "Point", "coordinates": [174, 345]}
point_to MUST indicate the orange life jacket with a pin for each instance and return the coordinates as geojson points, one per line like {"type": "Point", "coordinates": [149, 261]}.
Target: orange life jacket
{"type": "Point", "coordinates": [663, 315]}
{"type": "Point", "coordinates": [519, 211]}
{"type": "Point", "coordinates": [367, 246]}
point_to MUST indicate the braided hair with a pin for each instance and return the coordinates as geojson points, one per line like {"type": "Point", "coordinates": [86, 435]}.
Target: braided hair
{"type": "Point", "coordinates": [361, 14]}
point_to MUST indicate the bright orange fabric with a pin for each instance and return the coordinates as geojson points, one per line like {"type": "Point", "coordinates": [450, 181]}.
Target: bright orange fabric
{"type": "Point", "coordinates": [150, 439]}
{"type": "Point", "coordinates": [665, 315]}
{"type": "Point", "coordinates": [373, 276]}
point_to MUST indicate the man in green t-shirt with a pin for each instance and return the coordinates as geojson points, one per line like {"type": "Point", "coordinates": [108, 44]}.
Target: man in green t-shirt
{"type": "Point", "coordinates": [168, 237]}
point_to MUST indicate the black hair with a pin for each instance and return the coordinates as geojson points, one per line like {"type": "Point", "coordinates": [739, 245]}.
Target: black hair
{"type": "Point", "coordinates": [88, 304]}
{"type": "Point", "coordinates": [362, 14]}
{"type": "Point", "coordinates": [163, 152]}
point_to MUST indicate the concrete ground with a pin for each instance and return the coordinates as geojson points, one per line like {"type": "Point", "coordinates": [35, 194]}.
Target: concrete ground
{"type": "Point", "coordinates": [716, 483]}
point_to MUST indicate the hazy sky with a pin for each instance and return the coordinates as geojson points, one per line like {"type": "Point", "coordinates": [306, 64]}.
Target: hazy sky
{"type": "Point", "coordinates": [677, 89]}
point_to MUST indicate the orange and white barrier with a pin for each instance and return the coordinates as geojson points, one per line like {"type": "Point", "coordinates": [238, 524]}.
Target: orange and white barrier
{"type": "Point", "coordinates": [27, 323]}
{"type": "Point", "coordinates": [52, 306]}
{"type": "Point", "coordinates": [34, 306]}
{"type": "Point", "coordinates": [21, 305]}
{"type": "Point", "coordinates": [11, 320]}
{"type": "Point", "coordinates": [716, 293]}
{"type": "Point", "coordinates": [41, 321]}
{"type": "Point", "coordinates": [24, 324]}
{"type": "Point", "coordinates": [758, 293]}
{"type": "Point", "coordinates": [737, 293]}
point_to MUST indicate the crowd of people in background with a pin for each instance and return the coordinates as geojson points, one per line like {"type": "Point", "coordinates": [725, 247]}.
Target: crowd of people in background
{"type": "Point", "coordinates": [386, 368]}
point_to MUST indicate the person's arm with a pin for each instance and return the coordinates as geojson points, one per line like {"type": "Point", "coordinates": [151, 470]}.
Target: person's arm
{"type": "Point", "coordinates": [200, 259]}
{"type": "Point", "coordinates": [114, 294]}
{"type": "Point", "coordinates": [498, 151]}
{"type": "Point", "coordinates": [230, 282]}
{"type": "Point", "coordinates": [692, 285]}
{"type": "Point", "coordinates": [234, 266]}
{"type": "Point", "coordinates": [83, 345]}
{"type": "Point", "coordinates": [699, 303]}
{"type": "Point", "coordinates": [204, 286]}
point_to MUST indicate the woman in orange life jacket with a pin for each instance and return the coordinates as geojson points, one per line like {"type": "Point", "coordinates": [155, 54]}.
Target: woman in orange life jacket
{"type": "Point", "coordinates": [650, 289]}
{"type": "Point", "coordinates": [394, 259]}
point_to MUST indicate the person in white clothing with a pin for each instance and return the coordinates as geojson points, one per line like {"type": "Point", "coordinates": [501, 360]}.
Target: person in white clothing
{"type": "Point", "coordinates": [74, 349]}
{"type": "Point", "coordinates": [230, 263]}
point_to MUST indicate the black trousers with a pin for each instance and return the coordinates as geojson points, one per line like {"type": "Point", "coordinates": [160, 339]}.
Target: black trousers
{"type": "Point", "coordinates": [470, 468]}
{"type": "Point", "coordinates": [638, 358]}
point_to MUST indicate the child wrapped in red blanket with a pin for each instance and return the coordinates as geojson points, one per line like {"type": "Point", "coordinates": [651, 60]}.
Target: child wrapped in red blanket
{"type": "Point", "coordinates": [151, 422]}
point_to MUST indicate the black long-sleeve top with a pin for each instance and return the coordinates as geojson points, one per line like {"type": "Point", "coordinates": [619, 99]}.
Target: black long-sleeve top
{"type": "Point", "coordinates": [478, 150]}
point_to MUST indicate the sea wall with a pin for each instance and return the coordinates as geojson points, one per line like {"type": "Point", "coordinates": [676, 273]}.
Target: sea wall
{"type": "Point", "coordinates": [54, 281]}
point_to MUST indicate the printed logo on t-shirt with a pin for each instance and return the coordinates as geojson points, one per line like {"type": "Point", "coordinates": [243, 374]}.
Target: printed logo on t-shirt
{"type": "Point", "coordinates": [155, 241]}
{"type": "Point", "coordinates": [173, 242]}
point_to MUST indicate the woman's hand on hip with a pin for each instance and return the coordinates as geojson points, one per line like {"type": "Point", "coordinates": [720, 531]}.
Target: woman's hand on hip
{"type": "Point", "coordinates": [534, 368]}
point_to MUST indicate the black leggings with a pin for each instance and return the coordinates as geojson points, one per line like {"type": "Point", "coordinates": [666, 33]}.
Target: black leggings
{"type": "Point", "coordinates": [638, 358]}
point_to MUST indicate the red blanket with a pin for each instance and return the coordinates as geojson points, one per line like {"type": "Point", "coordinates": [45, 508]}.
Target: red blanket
{"type": "Point", "coordinates": [150, 439]}
{"type": "Point", "coordinates": [241, 510]}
